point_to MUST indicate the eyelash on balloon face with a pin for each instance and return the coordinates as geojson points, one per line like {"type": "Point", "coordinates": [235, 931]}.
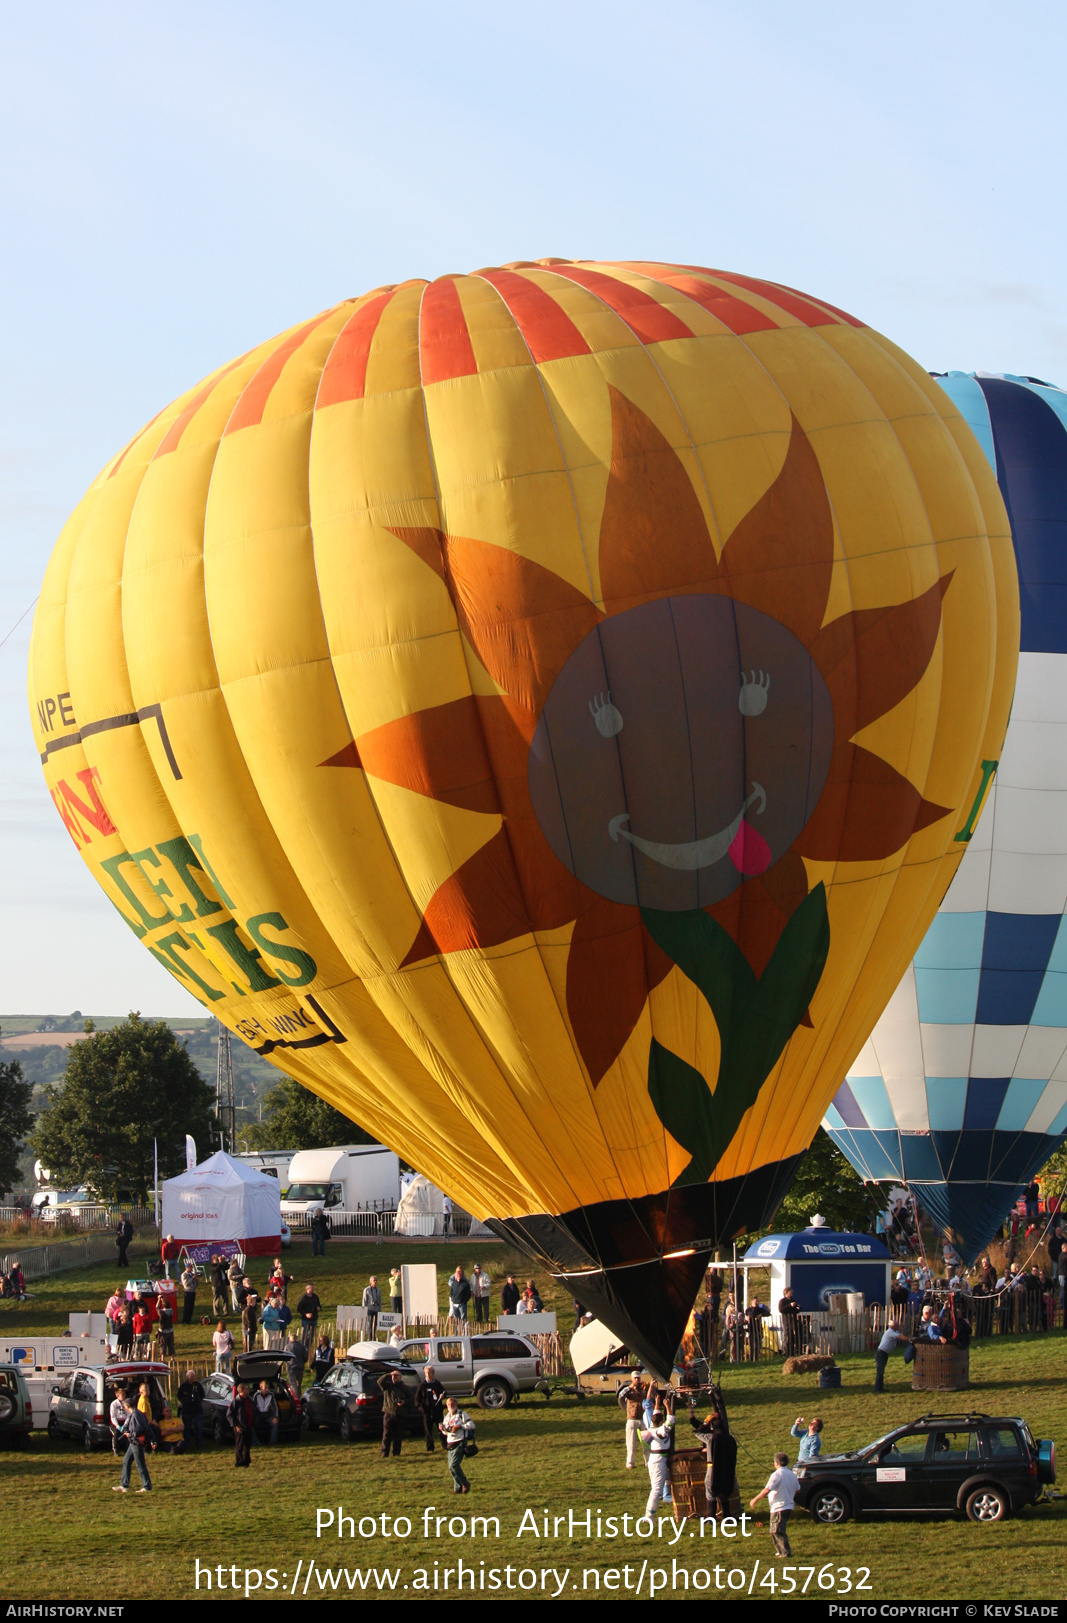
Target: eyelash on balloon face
{"type": "Point", "coordinates": [752, 699]}
{"type": "Point", "coordinates": [607, 718]}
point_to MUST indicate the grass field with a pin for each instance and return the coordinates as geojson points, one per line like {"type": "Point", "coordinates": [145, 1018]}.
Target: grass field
{"type": "Point", "coordinates": [69, 1538]}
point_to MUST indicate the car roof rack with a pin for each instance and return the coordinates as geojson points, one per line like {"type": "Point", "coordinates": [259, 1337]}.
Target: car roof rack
{"type": "Point", "coordinates": [970, 1415]}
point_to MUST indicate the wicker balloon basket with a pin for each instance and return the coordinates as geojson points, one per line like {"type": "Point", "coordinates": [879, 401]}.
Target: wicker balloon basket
{"type": "Point", "coordinates": [940, 1368]}
{"type": "Point", "coordinates": [688, 1468]}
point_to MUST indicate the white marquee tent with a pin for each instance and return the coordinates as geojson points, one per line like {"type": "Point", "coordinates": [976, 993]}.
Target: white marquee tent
{"type": "Point", "coordinates": [421, 1210]}
{"type": "Point", "coordinates": [220, 1200]}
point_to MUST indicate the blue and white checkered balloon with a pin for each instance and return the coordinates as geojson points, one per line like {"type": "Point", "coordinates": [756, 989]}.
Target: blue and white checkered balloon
{"type": "Point", "coordinates": [961, 1090]}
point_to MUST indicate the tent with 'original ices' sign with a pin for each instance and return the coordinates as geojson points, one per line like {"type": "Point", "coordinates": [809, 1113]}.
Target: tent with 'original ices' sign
{"type": "Point", "coordinates": [223, 1200]}
{"type": "Point", "coordinates": [818, 1264]}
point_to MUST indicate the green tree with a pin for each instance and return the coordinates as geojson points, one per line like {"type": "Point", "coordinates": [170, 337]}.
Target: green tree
{"type": "Point", "coordinates": [123, 1090]}
{"type": "Point", "coordinates": [16, 1119]}
{"type": "Point", "coordinates": [255, 1135]}
{"type": "Point", "coordinates": [827, 1184]}
{"type": "Point", "coordinates": [1053, 1174]}
{"type": "Point", "coordinates": [294, 1118]}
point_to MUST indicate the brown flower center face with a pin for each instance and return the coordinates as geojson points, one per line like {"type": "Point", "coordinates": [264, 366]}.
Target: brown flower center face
{"type": "Point", "coordinates": [682, 749]}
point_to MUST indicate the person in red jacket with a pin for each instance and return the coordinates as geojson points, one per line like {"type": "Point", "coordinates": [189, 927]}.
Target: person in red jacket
{"type": "Point", "coordinates": [142, 1330]}
{"type": "Point", "coordinates": [169, 1251]}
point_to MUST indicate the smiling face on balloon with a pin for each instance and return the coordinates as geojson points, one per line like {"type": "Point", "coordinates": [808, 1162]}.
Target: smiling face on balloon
{"type": "Point", "coordinates": [682, 749]}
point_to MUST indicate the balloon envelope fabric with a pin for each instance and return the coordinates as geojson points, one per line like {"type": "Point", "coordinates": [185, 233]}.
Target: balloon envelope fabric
{"type": "Point", "coordinates": [962, 1090]}
{"type": "Point", "coordinates": [537, 708]}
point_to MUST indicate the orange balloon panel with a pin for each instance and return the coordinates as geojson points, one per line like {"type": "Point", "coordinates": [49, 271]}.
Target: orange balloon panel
{"type": "Point", "coordinates": [538, 709]}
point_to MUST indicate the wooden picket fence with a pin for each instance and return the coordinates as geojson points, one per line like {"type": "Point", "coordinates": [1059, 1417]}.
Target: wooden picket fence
{"type": "Point", "coordinates": [833, 1334]}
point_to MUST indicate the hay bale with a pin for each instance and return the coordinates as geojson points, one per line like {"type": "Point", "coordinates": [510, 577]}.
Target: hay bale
{"type": "Point", "coordinates": [807, 1364]}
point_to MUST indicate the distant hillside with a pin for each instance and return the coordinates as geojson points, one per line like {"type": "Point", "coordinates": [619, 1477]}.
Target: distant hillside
{"type": "Point", "coordinates": [40, 1043]}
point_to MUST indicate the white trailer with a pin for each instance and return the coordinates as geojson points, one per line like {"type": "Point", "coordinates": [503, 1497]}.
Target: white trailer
{"type": "Point", "coordinates": [274, 1163]}
{"type": "Point", "coordinates": [349, 1177]}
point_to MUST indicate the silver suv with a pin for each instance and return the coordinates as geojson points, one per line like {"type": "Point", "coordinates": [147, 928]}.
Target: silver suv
{"type": "Point", "coordinates": [80, 1401]}
{"type": "Point", "coordinates": [495, 1367]}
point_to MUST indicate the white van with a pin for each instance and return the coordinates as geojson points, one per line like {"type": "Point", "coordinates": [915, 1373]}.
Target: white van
{"type": "Point", "coordinates": [45, 1198]}
{"type": "Point", "coordinates": [59, 1205]}
{"type": "Point", "coordinates": [349, 1177]}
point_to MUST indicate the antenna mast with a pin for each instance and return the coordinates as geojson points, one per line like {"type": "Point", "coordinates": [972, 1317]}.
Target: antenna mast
{"type": "Point", "coordinates": [225, 1107]}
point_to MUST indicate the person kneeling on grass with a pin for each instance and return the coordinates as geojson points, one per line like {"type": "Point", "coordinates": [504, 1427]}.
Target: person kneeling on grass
{"type": "Point", "coordinates": [780, 1491]}
{"type": "Point", "coordinates": [454, 1428]}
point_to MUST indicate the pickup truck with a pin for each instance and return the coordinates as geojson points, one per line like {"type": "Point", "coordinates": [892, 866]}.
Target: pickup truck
{"type": "Point", "coordinates": [494, 1368]}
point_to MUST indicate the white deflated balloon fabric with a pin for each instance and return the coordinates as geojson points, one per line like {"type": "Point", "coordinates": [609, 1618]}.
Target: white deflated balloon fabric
{"type": "Point", "coordinates": [961, 1090]}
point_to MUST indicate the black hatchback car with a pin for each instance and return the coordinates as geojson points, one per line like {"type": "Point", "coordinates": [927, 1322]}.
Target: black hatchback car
{"type": "Point", "coordinates": [350, 1398]}
{"type": "Point", "coordinates": [278, 1369]}
{"type": "Point", "coordinates": [985, 1466]}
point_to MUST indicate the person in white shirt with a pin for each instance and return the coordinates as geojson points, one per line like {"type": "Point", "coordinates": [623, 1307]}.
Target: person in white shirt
{"type": "Point", "coordinates": [659, 1440]}
{"type": "Point", "coordinates": [222, 1341]}
{"type": "Point", "coordinates": [456, 1427]}
{"type": "Point", "coordinates": [117, 1416]}
{"type": "Point", "coordinates": [780, 1492]}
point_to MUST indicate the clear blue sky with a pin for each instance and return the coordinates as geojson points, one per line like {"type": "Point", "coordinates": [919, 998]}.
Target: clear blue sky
{"type": "Point", "coordinates": [180, 181]}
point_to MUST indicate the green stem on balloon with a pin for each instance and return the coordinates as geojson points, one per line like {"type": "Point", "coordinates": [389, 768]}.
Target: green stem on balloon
{"type": "Point", "coordinates": [756, 1016]}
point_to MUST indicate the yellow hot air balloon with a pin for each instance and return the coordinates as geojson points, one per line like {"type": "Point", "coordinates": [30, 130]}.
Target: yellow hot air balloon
{"type": "Point", "coordinates": [542, 710]}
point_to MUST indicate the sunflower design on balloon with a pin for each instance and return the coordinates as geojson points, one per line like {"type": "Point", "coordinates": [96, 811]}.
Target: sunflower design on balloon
{"type": "Point", "coordinates": [664, 763]}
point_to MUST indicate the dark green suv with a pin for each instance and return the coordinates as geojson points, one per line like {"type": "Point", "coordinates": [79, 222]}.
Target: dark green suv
{"type": "Point", "coordinates": [16, 1410]}
{"type": "Point", "coordinates": [985, 1466]}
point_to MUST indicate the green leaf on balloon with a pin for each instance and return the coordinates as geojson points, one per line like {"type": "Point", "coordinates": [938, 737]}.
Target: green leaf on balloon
{"type": "Point", "coordinates": [756, 1016]}
{"type": "Point", "coordinates": [686, 1106]}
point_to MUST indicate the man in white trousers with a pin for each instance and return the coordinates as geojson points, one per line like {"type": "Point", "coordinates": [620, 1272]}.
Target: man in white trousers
{"type": "Point", "coordinates": [632, 1399]}
{"type": "Point", "coordinates": [658, 1436]}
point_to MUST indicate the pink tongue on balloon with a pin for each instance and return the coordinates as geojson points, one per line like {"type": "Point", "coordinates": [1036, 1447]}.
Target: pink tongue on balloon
{"type": "Point", "coordinates": [749, 851]}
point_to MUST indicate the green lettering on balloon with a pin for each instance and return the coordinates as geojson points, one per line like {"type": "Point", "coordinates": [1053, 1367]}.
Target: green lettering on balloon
{"type": "Point", "coordinates": [184, 860]}
{"type": "Point", "coordinates": [302, 961]}
{"type": "Point", "coordinates": [247, 959]}
{"type": "Point", "coordinates": [170, 946]}
{"type": "Point", "coordinates": [111, 866]}
{"type": "Point", "coordinates": [988, 768]}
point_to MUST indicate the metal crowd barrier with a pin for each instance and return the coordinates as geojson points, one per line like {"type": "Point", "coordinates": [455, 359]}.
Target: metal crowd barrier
{"type": "Point", "coordinates": [95, 1216]}
{"type": "Point", "coordinates": [380, 1220]}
